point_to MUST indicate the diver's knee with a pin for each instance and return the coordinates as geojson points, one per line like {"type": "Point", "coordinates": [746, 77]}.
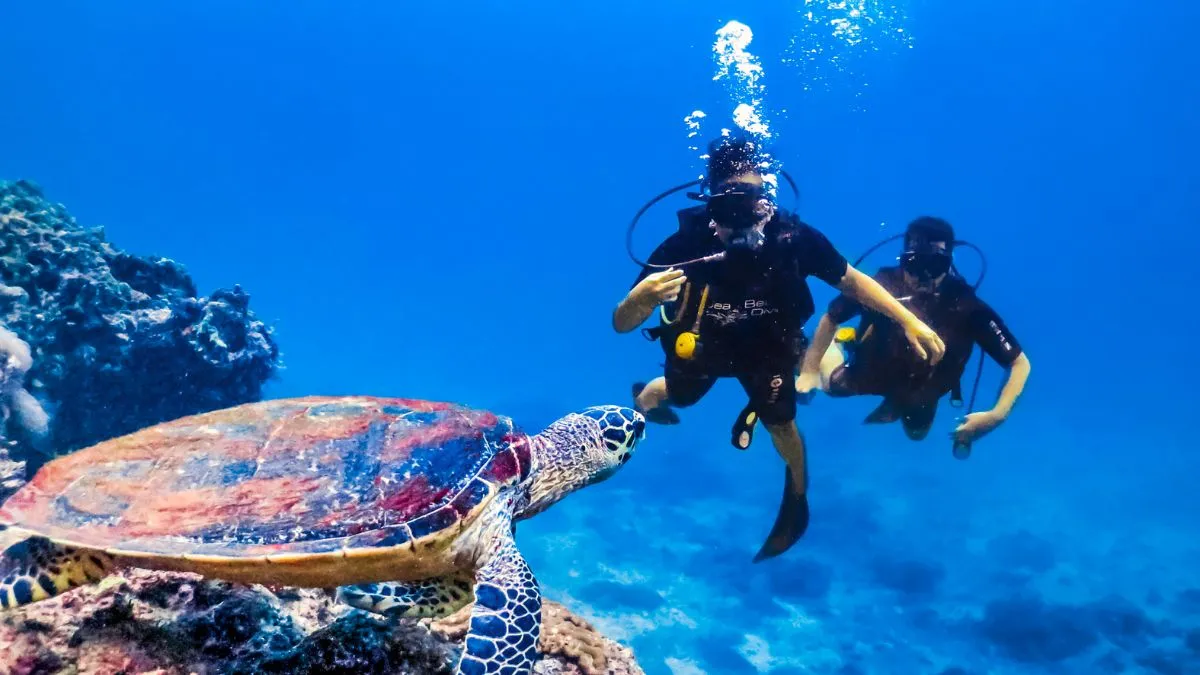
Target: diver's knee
{"type": "Point", "coordinates": [650, 397]}
{"type": "Point", "coordinates": [682, 401]}
{"type": "Point", "coordinates": [782, 428]}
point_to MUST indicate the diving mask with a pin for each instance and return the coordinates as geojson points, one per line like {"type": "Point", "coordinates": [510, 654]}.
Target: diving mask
{"type": "Point", "coordinates": [926, 261]}
{"type": "Point", "coordinates": [740, 208]}
{"type": "Point", "coordinates": [736, 206]}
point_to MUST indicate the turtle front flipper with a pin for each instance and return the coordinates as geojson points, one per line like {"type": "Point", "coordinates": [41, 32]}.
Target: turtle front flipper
{"type": "Point", "coordinates": [432, 598]}
{"type": "Point", "coordinates": [36, 569]}
{"type": "Point", "coordinates": [506, 619]}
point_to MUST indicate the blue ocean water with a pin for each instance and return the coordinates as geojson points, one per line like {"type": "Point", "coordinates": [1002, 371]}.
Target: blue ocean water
{"type": "Point", "coordinates": [430, 201]}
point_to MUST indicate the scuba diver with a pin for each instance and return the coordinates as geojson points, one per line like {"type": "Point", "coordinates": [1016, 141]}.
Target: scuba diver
{"type": "Point", "coordinates": [881, 362]}
{"type": "Point", "coordinates": [740, 307]}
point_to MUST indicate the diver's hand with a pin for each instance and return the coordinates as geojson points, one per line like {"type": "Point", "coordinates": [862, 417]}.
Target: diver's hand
{"type": "Point", "coordinates": [658, 288]}
{"type": "Point", "coordinates": [927, 343]}
{"type": "Point", "coordinates": [976, 426]}
{"type": "Point", "coordinates": [808, 384]}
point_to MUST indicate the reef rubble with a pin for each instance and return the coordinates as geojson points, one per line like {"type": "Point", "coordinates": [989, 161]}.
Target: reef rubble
{"type": "Point", "coordinates": [176, 624]}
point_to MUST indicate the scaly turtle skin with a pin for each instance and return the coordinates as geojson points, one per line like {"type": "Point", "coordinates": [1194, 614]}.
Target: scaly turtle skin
{"type": "Point", "coordinates": [408, 505]}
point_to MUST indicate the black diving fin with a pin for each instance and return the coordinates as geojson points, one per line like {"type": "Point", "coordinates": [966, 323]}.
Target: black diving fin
{"type": "Point", "coordinates": [790, 523]}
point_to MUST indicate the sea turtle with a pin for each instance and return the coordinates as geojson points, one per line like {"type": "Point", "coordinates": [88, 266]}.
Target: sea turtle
{"type": "Point", "coordinates": [408, 506]}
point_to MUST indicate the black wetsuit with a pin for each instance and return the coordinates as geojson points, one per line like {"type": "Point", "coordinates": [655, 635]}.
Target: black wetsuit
{"type": "Point", "coordinates": [752, 326]}
{"type": "Point", "coordinates": [884, 363]}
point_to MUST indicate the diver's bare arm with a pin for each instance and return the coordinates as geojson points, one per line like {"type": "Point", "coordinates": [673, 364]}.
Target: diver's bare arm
{"type": "Point", "coordinates": [866, 290]}
{"type": "Point", "coordinates": [632, 311]}
{"type": "Point", "coordinates": [826, 329]}
{"type": "Point", "coordinates": [1018, 374]}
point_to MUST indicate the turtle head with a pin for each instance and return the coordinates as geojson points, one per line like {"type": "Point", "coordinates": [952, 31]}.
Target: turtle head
{"type": "Point", "coordinates": [581, 449]}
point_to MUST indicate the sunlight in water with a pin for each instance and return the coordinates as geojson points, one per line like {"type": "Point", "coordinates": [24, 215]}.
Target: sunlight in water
{"type": "Point", "coordinates": [835, 33]}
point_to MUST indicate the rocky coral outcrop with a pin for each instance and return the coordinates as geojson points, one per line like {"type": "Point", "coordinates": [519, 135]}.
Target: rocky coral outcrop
{"type": "Point", "coordinates": [177, 624]}
{"type": "Point", "coordinates": [18, 408]}
{"type": "Point", "coordinates": [105, 326]}
{"type": "Point", "coordinates": [17, 405]}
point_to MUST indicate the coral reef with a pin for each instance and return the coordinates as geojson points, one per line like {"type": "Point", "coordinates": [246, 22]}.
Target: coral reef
{"type": "Point", "coordinates": [17, 405]}
{"type": "Point", "coordinates": [1029, 630]}
{"type": "Point", "coordinates": [631, 596]}
{"type": "Point", "coordinates": [1022, 550]}
{"type": "Point", "coordinates": [909, 577]}
{"type": "Point", "coordinates": [18, 408]}
{"type": "Point", "coordinates": [12, 474]}
{"type": "Point", "coordinates": [104, 326]}
{"type": "Point", "coordinates": [144, 621]}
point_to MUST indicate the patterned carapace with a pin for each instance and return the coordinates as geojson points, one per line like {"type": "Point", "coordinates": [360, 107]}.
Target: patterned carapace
{"type": "Point", "coordinates": [304, 475]}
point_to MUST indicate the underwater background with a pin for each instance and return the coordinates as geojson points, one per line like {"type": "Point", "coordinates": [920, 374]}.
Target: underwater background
{"type": "Point", "coordinates": [431, 201]}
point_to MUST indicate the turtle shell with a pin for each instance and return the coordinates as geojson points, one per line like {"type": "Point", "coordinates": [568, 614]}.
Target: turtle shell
{"type": "Point", "coordinates": [291, 476]}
